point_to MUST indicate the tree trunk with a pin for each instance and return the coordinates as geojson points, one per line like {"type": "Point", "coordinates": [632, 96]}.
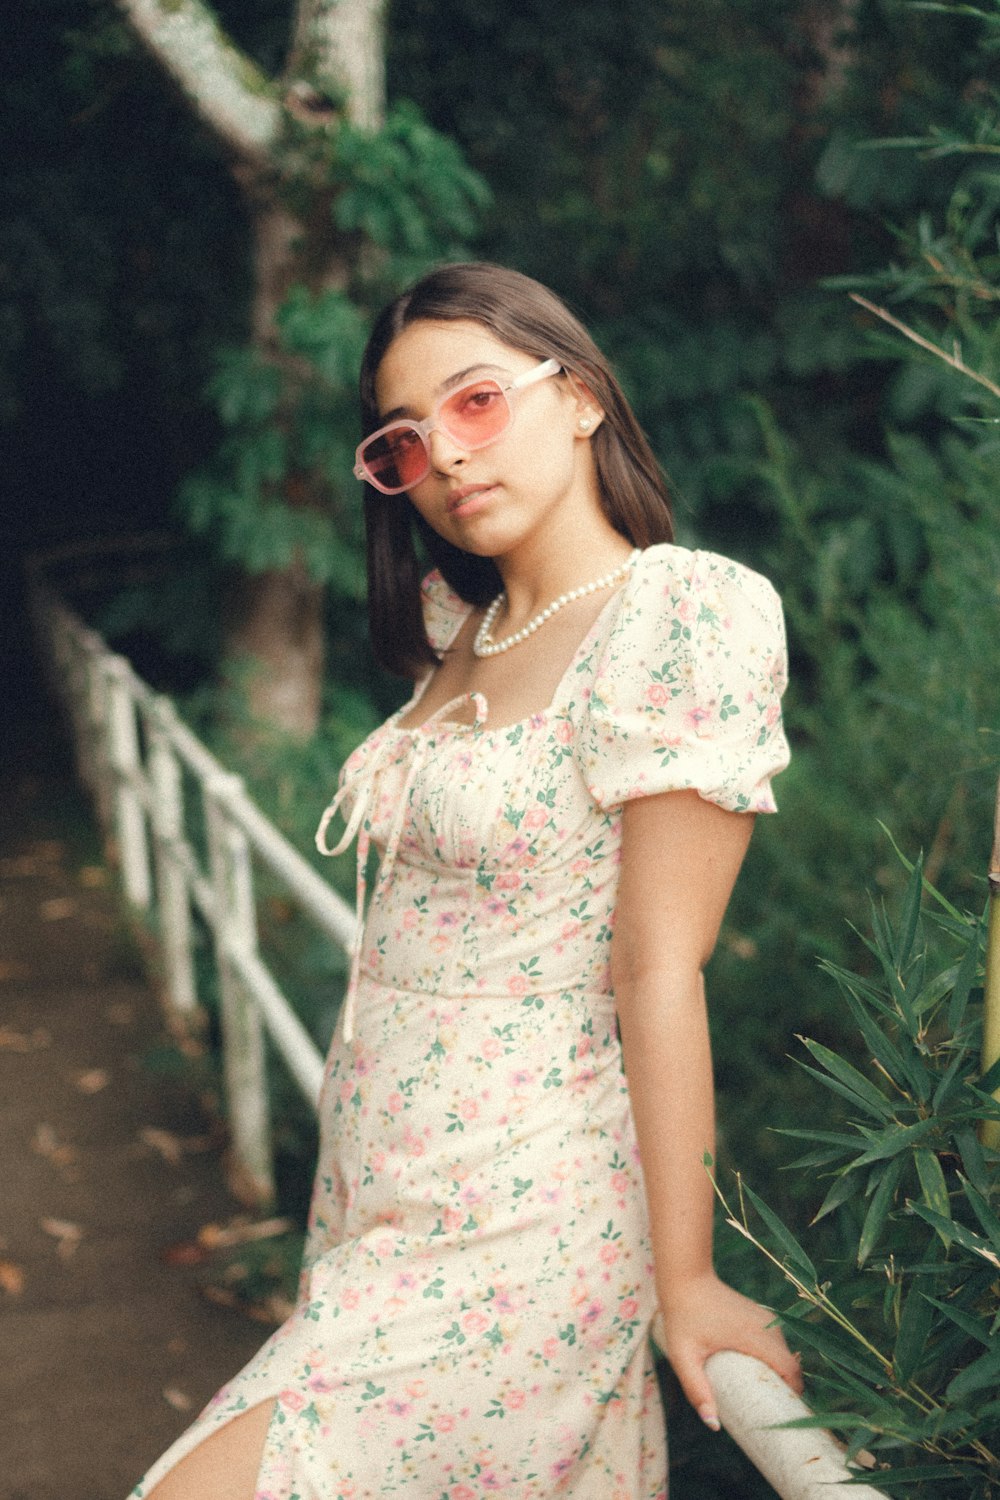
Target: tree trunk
{"type": "Point", "coordinates": [275, 647]}
{"type": "Point", "coordinates": [275, 626]}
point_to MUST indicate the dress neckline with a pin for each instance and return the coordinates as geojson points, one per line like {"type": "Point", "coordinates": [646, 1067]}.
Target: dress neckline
{"type": "Point", "coordinates": [433, 726]}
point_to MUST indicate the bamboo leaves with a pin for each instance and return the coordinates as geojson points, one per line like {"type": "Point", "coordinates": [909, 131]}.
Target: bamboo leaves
{"type": "Point", "coordinates": [906, 1329]}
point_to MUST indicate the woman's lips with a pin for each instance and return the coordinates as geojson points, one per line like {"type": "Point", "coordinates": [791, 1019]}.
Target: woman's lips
{"type": "Point", "coordinates": [462, 501]}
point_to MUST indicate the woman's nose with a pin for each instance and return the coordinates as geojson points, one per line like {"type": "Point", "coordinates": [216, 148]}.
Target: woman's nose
{"type": "Point", "coordinates": [444, 451]}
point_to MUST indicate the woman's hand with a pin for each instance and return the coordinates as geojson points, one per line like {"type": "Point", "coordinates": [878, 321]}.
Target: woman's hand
{"type": "Point", "coordinates": [699, 1317]}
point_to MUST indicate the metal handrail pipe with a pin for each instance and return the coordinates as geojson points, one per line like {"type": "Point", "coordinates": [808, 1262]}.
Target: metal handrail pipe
{"type": "Point", "coordinates": [800, 1463]}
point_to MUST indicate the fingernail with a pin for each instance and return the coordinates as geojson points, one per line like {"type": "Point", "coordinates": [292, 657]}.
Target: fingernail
{"type": "Point", "coordinates": [709, 1418]}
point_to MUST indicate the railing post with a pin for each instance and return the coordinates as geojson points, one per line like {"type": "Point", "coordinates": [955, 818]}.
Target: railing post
{"type": "Point", "coordinates": [244, 1059]}
{"type": "Point", "coordinates": [126, 764]}
{"type": "Point", "coordinates": [171, 883]}
{"type": "Point", "coordinates": [95, 754]}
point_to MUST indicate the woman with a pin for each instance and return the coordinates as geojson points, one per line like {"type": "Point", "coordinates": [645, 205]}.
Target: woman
{"type": "Point", "coordinates": [560, 810]}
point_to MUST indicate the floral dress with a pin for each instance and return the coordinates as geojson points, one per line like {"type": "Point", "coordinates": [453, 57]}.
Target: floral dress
{"type": "Point", "coordinates": [477, 1291]}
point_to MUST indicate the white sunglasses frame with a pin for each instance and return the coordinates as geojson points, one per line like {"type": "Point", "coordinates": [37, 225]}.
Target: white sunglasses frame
{"type": "Point", "coordinates": [542, 371]}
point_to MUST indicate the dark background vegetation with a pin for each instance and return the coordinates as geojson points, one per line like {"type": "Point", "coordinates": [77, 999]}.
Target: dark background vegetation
{"type": "Point", "coordinates": [697, 179]}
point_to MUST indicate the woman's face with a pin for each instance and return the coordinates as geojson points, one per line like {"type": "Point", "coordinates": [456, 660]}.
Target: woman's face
{"type": "Point", "coordinates": [526, 487]}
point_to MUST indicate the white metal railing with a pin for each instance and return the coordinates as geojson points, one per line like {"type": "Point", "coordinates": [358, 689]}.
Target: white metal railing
{"type": "Point", "coordinates": [131, 751]}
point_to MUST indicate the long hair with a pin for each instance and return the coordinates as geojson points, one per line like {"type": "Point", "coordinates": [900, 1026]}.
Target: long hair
{"type": "Point", "coordinates": [524, 315]}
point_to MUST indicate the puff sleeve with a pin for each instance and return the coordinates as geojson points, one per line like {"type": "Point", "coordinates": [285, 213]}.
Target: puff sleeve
{"type": "Point", "coordinates": [444, 611]}
{"type": "Point", "coordinates": [687, 691]}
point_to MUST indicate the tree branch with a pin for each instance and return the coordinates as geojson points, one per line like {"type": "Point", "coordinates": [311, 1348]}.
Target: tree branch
{"type": "Point", "coordinates": [228, 91]}
{"type": "Point", "coordinates": [955, 360]}
{"type": "Point", "coordinates": [342, 40]}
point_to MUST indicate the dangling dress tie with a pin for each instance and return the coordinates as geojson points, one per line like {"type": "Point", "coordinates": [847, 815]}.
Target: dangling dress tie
{"type": "Point", "coordinates": [359, 825]}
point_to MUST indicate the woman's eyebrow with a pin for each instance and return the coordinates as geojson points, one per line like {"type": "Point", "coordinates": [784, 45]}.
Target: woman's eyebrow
{"type": "Point", "coordinates": [446, 385]}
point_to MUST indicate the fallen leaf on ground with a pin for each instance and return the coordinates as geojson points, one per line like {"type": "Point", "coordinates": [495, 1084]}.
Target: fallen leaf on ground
{"type": "Point", "coordinates": [241, 1232]}
{"type": "Point", "coordinates": [56, 908]}
{"type": "Point", "coordinates": [93, 1080]}
{"type": "Point", "coordinates": [185, 1253]}
{"type": "Point", "coordinates": [47, 1144]}
{"type": "Point", "coordinates": [170, 1146]}
{"type": "Point", "coordinates": [21, 1041]}
{"type": "Point", "coordinates": [11, 1278]}
{"type": "Point", "coordinates": [178, 1399]}
{"type": "Point", "coordinates": [68, 1235]}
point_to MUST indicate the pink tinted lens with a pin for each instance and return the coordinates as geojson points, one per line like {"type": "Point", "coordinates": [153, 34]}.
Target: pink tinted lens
{"type": "Point", "coordinates": [476, 414]}
{"type": "Point", "coordinates": [396, 459]}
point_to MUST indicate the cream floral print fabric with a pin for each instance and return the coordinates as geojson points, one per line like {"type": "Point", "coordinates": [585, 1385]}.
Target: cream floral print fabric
{"type": "Point", "coordinates": [477, 1291]}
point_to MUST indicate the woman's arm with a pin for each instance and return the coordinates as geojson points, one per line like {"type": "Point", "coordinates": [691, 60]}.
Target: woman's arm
{"type": "Point", "coordinates": [680, 859]}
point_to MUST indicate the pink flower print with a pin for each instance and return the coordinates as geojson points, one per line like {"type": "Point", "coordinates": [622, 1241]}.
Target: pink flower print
{"type": "Point", "coordinates": [551, 1195]}
{"type": "Point", "coordinates": [405, 1281]}
{"type": "Point", "coordinates": [608, 1255]}
{"type": "Point", "coordinates": [517, 984]}
{"type": "Point", "coordinates": [619, 1181]}
{"type": "Point", "coordinates": [399, 1408]}
{"type": "Point", "coordinates": [440, 942]}
{"type": "Point", "coordinates": [580, 866]}
{"type": "Point", "coordinates": [471, 1195]}
{"type": "Point", "coordinates": [491, 1048]}
{"type": "Point", "coordinates": [628, 1308]}
{"type": "Point", "coordinates": [560, 1467]}
{"type": "Point", "coordinates": [461, 1492]}
{"type": "Point", "coordinates": [412, 1144]}
{"type": "Point", "coordinates": [292, 1400]}
{"type": "Point", "coordinates": [570, 931]}
{"type": "Point", "coordinates": [578, 1296]}
{"type": "Point", "coordinates": [773, 714]}
{"type": "Point", "coordinates": [378, 1161]}
{"type": "Point", "coordinates": [469, 1109]}
{"type": "Point", "coordinates": [536, 817]}
{"type": "Point", "coordinates": [593, 1312]}
{"type": "Point", "coordinates": [507, 880]}
{"type": "Point", "coordinates": [395, 1103]}
{"type": "Point", "coordinates": [494, 906]}
{"type": "Point", "coordinates": [447, 919]}
{"type": "Point", "coordinates": [514, 1400]}
{"type": "Point", "coordinates": [696, 717]}
{"type": "Point", "coordinates": [563, 732]}
{"type": "Point", "coordinates": [444, 1423]}
{"type": "Point", "coordinates": [657, 695]}
{"type": "Point", "coordinates": [410, 919]}
{"type": "Point", "coordinates": [536, 721]}
{"type": "Point", "coordinates": [475, 1322]}
{"type": "Point", "coordinates": [686, 610]}
{"type": "Point", "coordinates": [516, 848]}
{"type": "Point", "coordinates": [550, 1348]}
{"type": "Point", "coordinates": [415, 1389]}
{"type": "Point", "coordinates": [350, 1298]}
{"type": "Point", "coordinates": [453, 1219]}
{"type": "Point", "coordinates": [520, 1078]}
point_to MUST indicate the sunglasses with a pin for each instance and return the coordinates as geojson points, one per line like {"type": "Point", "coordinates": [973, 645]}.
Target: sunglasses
{"type": "Point", "coordinates": [398, 456]}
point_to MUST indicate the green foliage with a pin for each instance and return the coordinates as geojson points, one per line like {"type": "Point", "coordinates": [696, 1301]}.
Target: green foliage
{"type": "Point", "coordinates": [280, 488]}
{"type": "Point", "coordinates": [902, 1327]}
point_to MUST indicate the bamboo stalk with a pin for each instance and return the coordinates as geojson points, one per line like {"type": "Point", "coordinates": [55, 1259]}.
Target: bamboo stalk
{"type": "Point", "coordinates": [991, 985]}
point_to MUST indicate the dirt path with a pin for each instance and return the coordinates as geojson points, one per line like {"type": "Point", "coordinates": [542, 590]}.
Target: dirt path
{"type": "Point", "coordinates": [106, 1162]}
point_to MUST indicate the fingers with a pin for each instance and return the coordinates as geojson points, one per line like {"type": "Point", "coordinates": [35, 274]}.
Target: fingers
{"type": "Point", "coordinates": [693, 1381]}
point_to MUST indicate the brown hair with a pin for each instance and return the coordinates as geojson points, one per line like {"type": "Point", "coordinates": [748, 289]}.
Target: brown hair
{"type": "Point", "coordinates": [526, 316]}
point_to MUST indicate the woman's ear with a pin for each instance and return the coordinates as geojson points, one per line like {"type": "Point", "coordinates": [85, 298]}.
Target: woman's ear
{"type": "Point", "coordinates": [589, 413]}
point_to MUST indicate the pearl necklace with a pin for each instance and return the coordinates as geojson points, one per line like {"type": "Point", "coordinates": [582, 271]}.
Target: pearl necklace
{"type": "Point", "coordinates": [485, 645]}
